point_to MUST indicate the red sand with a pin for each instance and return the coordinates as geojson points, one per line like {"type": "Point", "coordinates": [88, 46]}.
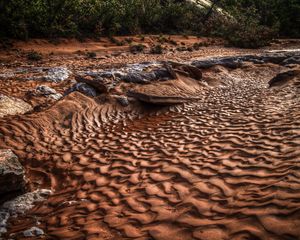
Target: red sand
{"type": "Point", "coordinates": [223, 167]}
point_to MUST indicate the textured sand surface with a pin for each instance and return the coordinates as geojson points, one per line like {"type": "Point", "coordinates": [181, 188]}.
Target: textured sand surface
{"type": "Point", "coordinates": [225, 166]}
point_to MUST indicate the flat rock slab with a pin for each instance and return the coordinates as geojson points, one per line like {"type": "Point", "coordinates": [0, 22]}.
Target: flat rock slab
{"type": "Point", "coordinates": [159, 100]}
{"type": "Point", "coordinates": [284, 77]}
{"type": "Point", "coordinates": [84, 88]}
{"type": "Point", "coordinates": [11, 172]}
{"type": "Point", "coordinates": [180, 90]}
{"type": "Point", "coordinates": [276, 57]}
{"type": "Point", "coordinates": [13, 106]}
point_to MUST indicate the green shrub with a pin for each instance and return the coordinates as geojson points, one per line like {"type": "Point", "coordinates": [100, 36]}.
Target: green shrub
{"type": "Point", "coordinates": [251, 37]}
{"type": "Point", "coordinates": [116, 41]}
{"type": "Point", "coordinates": [196, 46]}
{"type": "Point", "coordinates": [245, 31]}
{"type": "Point", "coordinates": [25, 19]}
{"type": "Point", "coordinates": [172, 42]}
{"type": "Point", "coordinates": [162, 39]}
{"type": "Point", "coordinates": [91, 54]}
{"type": "Point", "coordinates": [142, 38]}
{"type": "Point", "coordinates": [34, 56]}
{"type": "Point", "coordinates": [137, 48]}
{"type": "Point", "coordinates": [156, 49]}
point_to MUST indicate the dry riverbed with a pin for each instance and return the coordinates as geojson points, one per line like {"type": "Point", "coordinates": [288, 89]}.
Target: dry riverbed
{"type": "Point", "coordinates": [198, 143]}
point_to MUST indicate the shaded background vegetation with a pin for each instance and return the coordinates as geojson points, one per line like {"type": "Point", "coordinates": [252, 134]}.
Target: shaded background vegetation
{"type": "Point", "coordinates": [25, 19]}
{"type": "Point", "coordinates": [283, 15]}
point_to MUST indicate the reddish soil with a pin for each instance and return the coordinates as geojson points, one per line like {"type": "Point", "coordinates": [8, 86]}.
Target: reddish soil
{"type": "Point", "coordinates": [224, 166]}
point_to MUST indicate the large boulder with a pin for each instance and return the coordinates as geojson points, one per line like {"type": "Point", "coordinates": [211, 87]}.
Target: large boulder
{"type": "Point", "coordinates": [11, 173]}
{"type": "Point", "coordinates": [185, 69]}
{"type": "Point", "coordinates": [175, 91]}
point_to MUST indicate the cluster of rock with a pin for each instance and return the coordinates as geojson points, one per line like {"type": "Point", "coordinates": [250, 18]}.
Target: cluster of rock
{"type": "Point", "coordinates": [105, 82]}
{"type": "Point", "coordinates": [12, 184]}
{"type": "Point", "coordinates": [49, 74]}
{"type": "Point", "coordinates": [279, 57]}
{"type": "Point", "coordinates": [20, 205]}
{"type": "Point", "coordinates": [96, 83]}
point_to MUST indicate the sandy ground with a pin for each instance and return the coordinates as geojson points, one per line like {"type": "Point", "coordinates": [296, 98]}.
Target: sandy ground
{"type": "Point", "coordinates": [223, 167]}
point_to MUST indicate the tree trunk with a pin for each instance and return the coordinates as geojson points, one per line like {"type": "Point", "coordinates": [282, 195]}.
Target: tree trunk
{"type": "Point", "coordinates": [210, 10]}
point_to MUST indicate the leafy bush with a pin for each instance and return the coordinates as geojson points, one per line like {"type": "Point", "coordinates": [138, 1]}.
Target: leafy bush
{"type": "Point", "coordinates": [137, 48]}
{"type": "Point", "coordinates": [283, 14]}
{"type": "Point", "coordinates": [67, 18]}
{"type": "Point", "coordinates": [34, 56]}
{"type": "Point", "coordinates": [245, 31]}
{"type": "Point", "coordinates": [116, 41]}
{"type": "Point", "coordinates": [91, 54]}
{"type": "Point", "coordinates": [156, 49]}
{"type": "Point", "coordinates": [254, 36]}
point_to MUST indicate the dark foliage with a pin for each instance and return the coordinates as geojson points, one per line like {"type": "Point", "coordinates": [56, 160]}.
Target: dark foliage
{"type": "Point", "coordinates": [247, 23]}
{"type": "Point", "coordinates": [284, 15]}
{"type": "Point", "coordinates": [244, 29]}
{"type": "Point", "coordinates": [67, 18]}
{"type": "Point", "coordinates": [34, 56]}
{"type": "Point", "coordinates": [157, 49]}
{"type": "Point", "coordinates": [136, 48]}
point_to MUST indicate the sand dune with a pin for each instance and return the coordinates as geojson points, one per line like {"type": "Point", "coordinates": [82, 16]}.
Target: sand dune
{"type": "Point", "coordinates": [225, 166]}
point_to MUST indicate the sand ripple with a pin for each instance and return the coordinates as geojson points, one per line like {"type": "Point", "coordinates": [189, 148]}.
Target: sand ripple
{"type": "Point", "coordinates": [224, 167]}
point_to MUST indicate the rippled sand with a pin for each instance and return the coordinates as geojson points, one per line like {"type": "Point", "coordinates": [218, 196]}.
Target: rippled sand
{"type": "Point", "coordinates": [225, 166]}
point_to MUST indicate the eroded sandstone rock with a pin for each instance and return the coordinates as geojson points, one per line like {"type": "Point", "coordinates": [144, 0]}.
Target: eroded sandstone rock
{"type": "Point", "coordinates": [284, 77]}
{"type": "Point", "coordinates": [276, 57]}
{"type": "Point", "coordinates": [180, 90]}
{"type": "Point", "coordinates": [13, 106]}
{"type": "Point", "coordinates": [103, 85]}
{"type": "Point", "coordinates": [11, 173]}
{"type": "Point", "coordinates": [83, 88]}
{"type": "Point", "coordinates": [186, 69]}
{"type": "Point", "coordinates": [46, 91]}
